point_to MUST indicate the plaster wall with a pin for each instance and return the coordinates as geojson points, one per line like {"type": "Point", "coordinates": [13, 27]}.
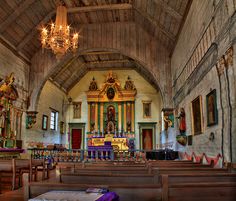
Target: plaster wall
{"type": "Point", "coordinates": [197, 67]}
{"type": "Point", "coordinates": [50, 98]}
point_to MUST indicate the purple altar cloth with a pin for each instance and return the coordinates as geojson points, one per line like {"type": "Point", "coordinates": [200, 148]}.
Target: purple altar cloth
{"type": "Point", "coordinates": [11, 150]}
{"type": "Point", "coordinates": [110, 196]}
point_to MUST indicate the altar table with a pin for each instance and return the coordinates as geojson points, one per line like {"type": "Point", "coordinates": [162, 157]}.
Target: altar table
{"type": "Point", "coordinates": [10, 152]}
{"type": "Point", "coordinates": [75, 196]}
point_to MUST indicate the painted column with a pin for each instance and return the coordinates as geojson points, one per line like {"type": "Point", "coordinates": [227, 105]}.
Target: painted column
{"type": "Point", "coordinates": [88, 124]}
{"type": "Point", "coordinates": [119, 116]}
{"type": "Point", "coordinates": [101, 117]}
{"type": "Point", "coordinates": [96, 117]}
{"type": "Point", "coordinates": [132, 116]}
{"type": "Point", "coordinates": [125, 129]}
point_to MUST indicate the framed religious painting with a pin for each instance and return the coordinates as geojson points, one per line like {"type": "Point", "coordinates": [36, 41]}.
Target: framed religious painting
{"type": "Point", "coordinates": [211, 107]}
{"type": "Point", "coordinates": [146, 109]}
{"type": "Point", "coordinates": [77, 110]}
{"type": "Point", "coordinates": [197, 119]}
{"type": "Point", "coordinates": [45, 122]}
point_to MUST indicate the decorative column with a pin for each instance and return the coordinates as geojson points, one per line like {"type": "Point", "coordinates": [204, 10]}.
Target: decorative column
{"type": "Point", "coordinates": [125, 123]}
{"type": "Point", "coordinates": [132, 116]}
{"type": "Point", "coordinates": [101, 117]}
{"type": "Point", "coordinates": [88, 124]}
{"type": "Point", "coordinates": [119, 116]}
{"type": "Point", "coordinates": [96, 117]}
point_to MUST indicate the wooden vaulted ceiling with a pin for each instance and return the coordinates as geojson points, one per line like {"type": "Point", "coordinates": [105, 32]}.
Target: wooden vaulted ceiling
{"type": "Point", "coordinates": [20, 21]}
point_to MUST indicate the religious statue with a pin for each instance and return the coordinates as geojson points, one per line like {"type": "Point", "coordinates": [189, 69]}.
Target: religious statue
{"type": "Point", "coordinates": [182, 122]}
{"type": "Point", "coordinates": [2, 119]}
{"type": "Point", "coordinates": [7, 88]}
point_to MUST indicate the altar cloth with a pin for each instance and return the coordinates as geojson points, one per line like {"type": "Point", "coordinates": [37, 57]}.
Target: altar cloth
{"type": "Point", "coordinates": [75, 196]}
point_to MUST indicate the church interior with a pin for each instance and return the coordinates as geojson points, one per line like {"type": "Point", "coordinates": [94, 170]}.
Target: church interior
{"type": "Point", "coordinates": [112, 100]}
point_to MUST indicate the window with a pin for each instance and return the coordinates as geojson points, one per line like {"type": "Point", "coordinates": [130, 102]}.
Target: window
{"type": "Point", "coordinates": [54, 120]}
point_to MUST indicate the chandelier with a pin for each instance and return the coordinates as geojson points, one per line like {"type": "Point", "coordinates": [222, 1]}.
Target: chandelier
{"type": "Point", "coordinates": [58, 36]}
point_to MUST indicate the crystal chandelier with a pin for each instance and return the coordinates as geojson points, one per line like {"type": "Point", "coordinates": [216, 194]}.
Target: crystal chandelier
{"type": "Point", "coordinates": [58, 36]}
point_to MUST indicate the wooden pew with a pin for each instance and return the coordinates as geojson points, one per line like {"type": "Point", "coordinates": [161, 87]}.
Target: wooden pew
{"type": "Point", "coordinates": [8, 169]}
{"type": "Point", "coordinates": [180, 170]}
{"type": "Point", "coordinates": [125, 192]}
{"type": "Point", "coordinates": [108, 178]}
{"type": "Point", "coordinates": [194, 188]}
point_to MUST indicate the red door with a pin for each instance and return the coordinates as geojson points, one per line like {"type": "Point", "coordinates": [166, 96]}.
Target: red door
{"type": "Point", "coordinates": [147, 139]}
{"type": "Point", "coordinates": [76, 138]}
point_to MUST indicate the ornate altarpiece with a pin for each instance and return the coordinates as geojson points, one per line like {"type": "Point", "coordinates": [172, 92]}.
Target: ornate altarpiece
{"type": "Point", "coordinates": [111, 112]}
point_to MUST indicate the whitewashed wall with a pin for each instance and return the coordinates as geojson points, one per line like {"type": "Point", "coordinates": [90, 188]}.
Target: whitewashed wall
{"type": "Point", "coordinates": [51, 97]}
{"type": "Point", "coordinates": [209, 31]}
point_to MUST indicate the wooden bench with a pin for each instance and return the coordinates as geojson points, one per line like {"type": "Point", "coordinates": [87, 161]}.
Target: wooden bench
{"type": "Point", "coordinates": [196, 190]}
{"type": "Point", "coordinates": [125, 192]}
{"type": "Point", "coordinates": [108, 178]}
{"type": "Point", "coordinates": [8, 169]}
{"type": "Point", "coordinates": [180, 170]}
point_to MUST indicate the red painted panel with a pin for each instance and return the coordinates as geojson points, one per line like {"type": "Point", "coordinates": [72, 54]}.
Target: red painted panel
{"type": "Point", "coordinates": [76, 138]}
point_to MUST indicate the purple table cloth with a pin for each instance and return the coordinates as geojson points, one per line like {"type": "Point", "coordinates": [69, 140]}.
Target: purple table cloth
{"type": "Point", "coordinates": [110, 196]}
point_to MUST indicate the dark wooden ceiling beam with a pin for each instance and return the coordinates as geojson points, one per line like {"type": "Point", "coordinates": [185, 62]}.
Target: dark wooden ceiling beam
{"type": "Point", "coordinates": [34, 31]}
{"type": "Point", "coordinates": [108, 61]}
{"type": "Point", "coordinates": [15, 14]}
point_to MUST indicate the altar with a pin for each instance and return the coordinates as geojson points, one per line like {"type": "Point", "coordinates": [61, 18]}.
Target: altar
{"type": "Point", "coordinates": [6, 153]}
{"type": "Point", "coordinates": [103, 147]}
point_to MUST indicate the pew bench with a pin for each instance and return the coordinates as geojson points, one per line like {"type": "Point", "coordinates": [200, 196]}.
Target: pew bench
{"type": "Point", "coordinates": [108, 178]}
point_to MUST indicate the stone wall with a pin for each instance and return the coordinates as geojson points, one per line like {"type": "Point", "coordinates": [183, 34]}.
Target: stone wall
{"type": "Point", "coordinates": [145, 92]}
{"type": "Point", "coordinates": [200, 63]}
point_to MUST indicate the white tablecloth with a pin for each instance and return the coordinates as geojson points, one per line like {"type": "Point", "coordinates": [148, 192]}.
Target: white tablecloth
{"type": "Point", "coordinates": [67, 196]}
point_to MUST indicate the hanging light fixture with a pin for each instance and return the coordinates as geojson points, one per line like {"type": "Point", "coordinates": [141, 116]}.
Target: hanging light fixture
{"type": "Point", "coordinates": [58, 36]}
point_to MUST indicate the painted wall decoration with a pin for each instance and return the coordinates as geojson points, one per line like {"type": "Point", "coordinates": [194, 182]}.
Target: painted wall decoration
{"type": "Point", "coordinates": [211, 106]}
{"type": "Point", "coordinates": [197, 124]}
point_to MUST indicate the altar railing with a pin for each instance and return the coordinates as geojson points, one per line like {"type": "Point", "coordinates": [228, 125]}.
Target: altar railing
{"type": "Point", "coordinates": [78, 155]}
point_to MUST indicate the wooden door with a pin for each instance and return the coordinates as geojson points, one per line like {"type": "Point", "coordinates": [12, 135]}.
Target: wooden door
{"type": "Point", "coordinates": [76, 138]}
{"type": "Point", "coordinates": [147, 139]}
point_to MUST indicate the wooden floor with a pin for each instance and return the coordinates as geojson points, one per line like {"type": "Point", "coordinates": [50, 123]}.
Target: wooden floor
{"type": "Point", "coordinates": [21, 193]}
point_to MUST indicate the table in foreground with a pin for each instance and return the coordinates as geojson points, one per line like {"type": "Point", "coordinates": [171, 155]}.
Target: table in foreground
{"type": "Point", "coordinates": [75, 196]}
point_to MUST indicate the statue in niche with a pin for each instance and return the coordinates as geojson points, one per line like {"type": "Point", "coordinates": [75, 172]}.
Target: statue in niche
{"type": "Point", "coordinates": [111, 122]}
{"type": "Point", "coordinates": [2, 119]}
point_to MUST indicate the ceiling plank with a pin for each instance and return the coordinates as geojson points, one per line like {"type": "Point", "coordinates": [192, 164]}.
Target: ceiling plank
{"type": "Point", "coordinates": [182, 24]}
{"type": "Point", "coordinates": [34, 31]}
{"type": "Point", "coordinates": [168, 9]}
{"type": "Point", "coordinates": [15, 14]}
{"type": "Point", "coordinates": [156, 24]}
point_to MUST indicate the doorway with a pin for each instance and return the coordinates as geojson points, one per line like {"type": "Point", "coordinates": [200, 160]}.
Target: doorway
{"type": "Point", "coordinates": [147, 139]}
{"type": "Point", "coordinates": [76, 138]}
